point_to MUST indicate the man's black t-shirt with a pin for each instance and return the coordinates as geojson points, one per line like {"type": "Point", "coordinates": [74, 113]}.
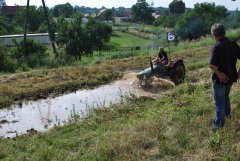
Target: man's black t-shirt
{"type": "Point", "coordinates": [163, 54]}
{"type": "Point", "coordinates": [224, 55]}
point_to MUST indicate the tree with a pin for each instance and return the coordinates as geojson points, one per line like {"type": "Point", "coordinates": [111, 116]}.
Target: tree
{"type": "Point", "coordinates": [65, 10]}
{"type": "Point", "coordinates": [107, 15]}
{"type": "Point", "coordinates": [190, 26]}
{"type": "Point", "coordinates": [99, 33]}
{"type": "Point", "coordinates": [36, 18]}
{"type": "Point", "coordinates": [210, 13]}
{"type": "Point", "coordinates": [2, 3]}
{"type": "Point", "coordinates": [165, 21]}
{"type": "Point", "coordinates": [142, 12]}
{"type": "Point", "coordinates": [5, 27]}
{"type": "Point", "coordinates": [120, 11]}
{"type": "Point", "coordinates": [197, 22]}
{"type": "Point", "coordinates": [3, 30]}
{"type": "Point", "coordinates": [233, 20]}
{"type": "Point", "coordinates": [82, 40]}
{"type": "Point", "coordinates": [177, 6]}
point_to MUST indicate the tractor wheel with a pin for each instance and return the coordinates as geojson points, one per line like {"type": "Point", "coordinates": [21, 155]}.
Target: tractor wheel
{"type": "Point", "coordinates": [177, 74]}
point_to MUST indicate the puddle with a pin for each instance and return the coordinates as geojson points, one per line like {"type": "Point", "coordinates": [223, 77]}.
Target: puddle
{"type": "Point", "coordinates": [44, 114]}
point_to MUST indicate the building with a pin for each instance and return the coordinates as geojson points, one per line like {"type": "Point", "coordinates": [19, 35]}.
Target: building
{"type": "Point", "coordinates": [119, 20]}
{"type": "Point", "coordinates": [10, 11]}
{"type": "Point", "coordinates": [156, 15]}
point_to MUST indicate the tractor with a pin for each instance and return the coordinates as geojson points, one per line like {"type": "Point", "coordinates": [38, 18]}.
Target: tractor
{"type": "Point", "coordinates": [174, 69]}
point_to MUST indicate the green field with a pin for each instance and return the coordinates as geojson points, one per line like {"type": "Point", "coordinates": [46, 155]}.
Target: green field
{"type": "Point", "coordinates": [121, 39]}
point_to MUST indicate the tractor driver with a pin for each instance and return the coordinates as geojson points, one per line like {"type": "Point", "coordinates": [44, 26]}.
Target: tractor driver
{"type": "Point", "coordinates": [162, 57]}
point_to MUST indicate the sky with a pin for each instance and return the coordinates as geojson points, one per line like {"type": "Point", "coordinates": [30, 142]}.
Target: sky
{"type": "Point", "coordinates": [229, 4]}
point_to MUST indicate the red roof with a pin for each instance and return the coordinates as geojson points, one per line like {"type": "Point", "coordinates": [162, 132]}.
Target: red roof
{"type": "Point", "coordinates": [10, 9]}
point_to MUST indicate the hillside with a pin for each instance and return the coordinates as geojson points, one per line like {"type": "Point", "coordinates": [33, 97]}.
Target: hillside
{"type": "Point", "coordinates": [175, 126]}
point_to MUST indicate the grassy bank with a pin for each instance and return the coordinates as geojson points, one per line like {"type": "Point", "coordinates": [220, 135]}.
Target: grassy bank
{"type": "Point", "coordinates": [176, 126]}
{"type": "Point", "coordinates": [44, 82]}
{"type": "Point", "coordinates": [97, 70]}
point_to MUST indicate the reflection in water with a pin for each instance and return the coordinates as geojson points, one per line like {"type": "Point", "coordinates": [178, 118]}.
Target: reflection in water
{"type": "Point", "coordinates": [45, 114]}
{"type": "Point", "coordinates": [45, 120]}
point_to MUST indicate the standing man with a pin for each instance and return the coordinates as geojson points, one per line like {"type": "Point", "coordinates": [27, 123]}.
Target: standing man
{"type": "Point", "coordinates": [223, 61]}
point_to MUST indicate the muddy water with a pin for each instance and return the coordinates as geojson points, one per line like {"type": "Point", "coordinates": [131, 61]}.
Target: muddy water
{"type": "Point", "coordinates": [42, 115]}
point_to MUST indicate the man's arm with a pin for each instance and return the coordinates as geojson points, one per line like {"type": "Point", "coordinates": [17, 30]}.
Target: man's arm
{"type": "Point", "coordinates": [162, 58]}
{"type": "Point", "coordinates": [213, 65]}
{"type": "Point", "coordinates": [238, 54]}
{"type": "Point", "coordinates": [239, 74]}
{"type": "Point", "coordinates": [222, 77]}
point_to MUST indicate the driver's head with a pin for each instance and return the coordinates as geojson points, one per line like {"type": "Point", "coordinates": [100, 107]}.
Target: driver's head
{"type": "Point", "coordinates": [161, 49]}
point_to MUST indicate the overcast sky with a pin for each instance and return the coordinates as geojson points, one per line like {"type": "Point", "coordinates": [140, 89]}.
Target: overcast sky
{"type": "Point", "coordinates": [231, 5]}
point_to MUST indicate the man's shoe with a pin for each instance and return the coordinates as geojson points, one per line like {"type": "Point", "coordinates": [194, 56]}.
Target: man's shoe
{"type": "Point", "coordinates": [214, 129]}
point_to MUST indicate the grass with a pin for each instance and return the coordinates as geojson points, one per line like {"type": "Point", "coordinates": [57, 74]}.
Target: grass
{"type": "Point", "coordinates": [176, 126]}
{"type": "Point", "coordinates": [121, 39]}
{"type": "Point", "coordinates": [40, 83]}
{"type": "Point", "coordinates": [173, 127]}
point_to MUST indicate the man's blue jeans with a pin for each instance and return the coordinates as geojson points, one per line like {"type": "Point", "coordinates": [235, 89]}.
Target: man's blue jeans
{"type": "Point", "coordinates": [222, 103]}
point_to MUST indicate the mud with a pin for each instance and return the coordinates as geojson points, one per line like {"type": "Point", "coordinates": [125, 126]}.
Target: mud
{"type": "Point", "coordinates": [44, 114]}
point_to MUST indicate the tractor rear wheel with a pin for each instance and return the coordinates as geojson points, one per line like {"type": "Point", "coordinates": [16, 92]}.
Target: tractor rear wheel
{"type": "Point", "coordinates": [177, 74]}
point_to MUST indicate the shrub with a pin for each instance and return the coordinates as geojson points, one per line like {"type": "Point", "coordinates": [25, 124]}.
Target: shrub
{"type": "Point", "coordinates": [34, 54]}
{"type": "Point", "coordinates": [7, 62]}
{"type": "Point", "coordinates": [197, 22]}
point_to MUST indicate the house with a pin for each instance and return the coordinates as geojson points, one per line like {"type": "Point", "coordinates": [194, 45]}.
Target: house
{"type": "Point", "coordinates": [156, 15]}
{"type": "Point", "coordinates": [101, 12]}
{"type": "Point", "coordinates": [10, 11]}
{"type": "Point", "coordinates": [119, 20]}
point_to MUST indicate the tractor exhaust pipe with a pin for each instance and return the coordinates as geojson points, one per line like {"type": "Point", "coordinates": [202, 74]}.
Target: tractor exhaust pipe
{"type": "Point", "coordinates": [151, 63]}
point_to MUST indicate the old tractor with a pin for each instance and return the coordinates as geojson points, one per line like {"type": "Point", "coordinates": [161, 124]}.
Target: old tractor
{"type": "Point", "coordinates": [174, 69]}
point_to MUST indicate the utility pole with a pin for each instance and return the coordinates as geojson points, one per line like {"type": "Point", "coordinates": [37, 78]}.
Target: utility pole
{"type": "Point", "coordinates": [25, 30]}
{"type": "Point", "coordinates": [50, 31]}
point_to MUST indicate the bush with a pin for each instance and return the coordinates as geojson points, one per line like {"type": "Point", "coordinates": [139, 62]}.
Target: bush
{"type": "Point", "coordinates": [190, 27]}
{"type": "Point", "coordinates": [197, 22]}
{"type": "Point", "coordinates": [34, 54]}
{"type": "Point", "coordinates": [7, 62]}
{"type": "Point", "coordinates": [233, 20]}
{"type": "Point", "coordinates": [165, 21]}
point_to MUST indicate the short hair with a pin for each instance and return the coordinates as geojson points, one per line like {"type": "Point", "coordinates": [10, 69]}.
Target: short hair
{"type": "Point", "coordinates": [218, 30]}
{"type": "Point", "coordinates": [161, 48]}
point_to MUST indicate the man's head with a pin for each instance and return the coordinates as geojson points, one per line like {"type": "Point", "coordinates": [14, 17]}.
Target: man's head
{"type": "Point", "coordinates": [218, 31]}
{"type": "Point", "coordinates": [161, 49]}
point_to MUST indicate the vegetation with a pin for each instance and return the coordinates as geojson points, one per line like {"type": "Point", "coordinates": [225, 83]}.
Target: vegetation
{"type": "Point", "coordinates": [122, 39]}
{"type": "Point", "coordinates": [177, 6]}
{"type": "Point", "coordinates": [142, 12]}
{"type": "Point", "coordinates": [83, 40]}
{"type": "Point", "coordinates": [165, 21]}
{"type": "Point", "coordinates": [4, 26]}
{"type": "Point", "coordinates": [36, 18]}
{"type": "Point", "coordinates": [233, 20]}
{"type": "Point", "coordinates": [66, 10]}
{"type": "Point", "coordinates": [176, 126]}
{"type": "Point", "coordinates": [15, 59]}
{"type": "Point", "coordinates": [2, 3]}
{"type": "Point", "coordinates": [107, 15]}
{"type": "Point", "coordinates": [42, 82]}
{"type": "Point", "coordinates": [197, 22]}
